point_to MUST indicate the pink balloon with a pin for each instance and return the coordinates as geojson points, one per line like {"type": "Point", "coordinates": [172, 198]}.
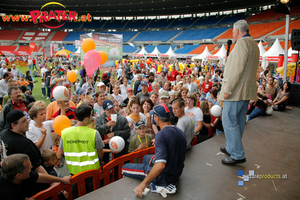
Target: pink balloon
{"type": "Point", "coordinates": [92, 60]}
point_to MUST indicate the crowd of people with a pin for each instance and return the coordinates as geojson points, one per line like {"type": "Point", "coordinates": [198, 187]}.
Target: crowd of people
{"type": "Point", "coordinates": [145, 101]}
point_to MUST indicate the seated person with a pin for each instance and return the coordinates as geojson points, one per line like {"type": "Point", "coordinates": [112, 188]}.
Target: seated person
{"type": "Point", "coordinates": [140, 141]}
{"type": "Point", "coordinates": [50, 160]}
{"type": "Point", "coordinates": [281, 99]}
{"type": "Point", "coordinates": [18, 181]}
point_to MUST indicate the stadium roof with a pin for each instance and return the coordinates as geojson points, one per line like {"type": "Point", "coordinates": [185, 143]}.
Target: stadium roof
{"type": "Point", "coordinates": [117, 8]}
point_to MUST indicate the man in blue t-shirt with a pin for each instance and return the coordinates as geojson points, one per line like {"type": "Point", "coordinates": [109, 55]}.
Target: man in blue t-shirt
{"type": "Point", "coordinates": [166, 166]}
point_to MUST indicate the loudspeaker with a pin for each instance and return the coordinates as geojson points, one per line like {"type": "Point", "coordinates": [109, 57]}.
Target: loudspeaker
{"type": "Point", "coordinates": [295, 39]}
{"type": "Point", "coordinates": [294, 99]}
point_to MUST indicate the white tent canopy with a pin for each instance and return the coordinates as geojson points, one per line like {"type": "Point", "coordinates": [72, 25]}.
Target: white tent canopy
{"type": "Point", "coordinates": [170, 53]}
{"type": "Point", "coordinates": [203, 55]}
{"type": "Point", "coordinates": [220, 55]}
{"type": "Point", "coordinates": [273, 53]}
{"type": "Point", "coordinates": [290, 51]}
{"type": "Point", "coordinates": [154, 53]}
{"type": "Point", "coordinates": [77, 52]}
{"type": "Point", "coordinates": [142, 52]}
{"type": "Point", "coordinates": [262, 50]}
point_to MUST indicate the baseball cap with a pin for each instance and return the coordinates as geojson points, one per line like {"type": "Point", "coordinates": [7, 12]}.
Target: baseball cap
{"type": "Point", "coordinates": [160, 111]}
{"type": "Point", "coordinates": [22, 75]}
{"type": "Point", "coordinates": [128, 89]}
{"type": "Point", "coordinates": [14, 115]}
{"type": "Point", "coordinates": [139, 124]}
{"type": "Point", "coordinates": [82, 91]}
{"type": "Point", "coordinates": [164, 94]}
{"type": "Point", "coordinates": [180, 82]}
{"type": "Point", "coordinates": [144, 83]}
{"type": "Point", "coordinates": [100, 84]}
{"type": "Point", "coordinates": [145, 76]}
{"type": "Point", "coordinates": [107, 104]}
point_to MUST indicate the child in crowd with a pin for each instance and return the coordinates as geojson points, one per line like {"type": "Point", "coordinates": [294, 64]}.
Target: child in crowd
{"type": "Point", "coordinates": [212, 130]}
{"type": "Point", "coordinates": [140, 141]}
{"type": "Point", "coordinates": [77, 85]}
{"type": "Point", "coordinates": [43, 84]}
{"type": "Point", "coordinates": [50, 160]}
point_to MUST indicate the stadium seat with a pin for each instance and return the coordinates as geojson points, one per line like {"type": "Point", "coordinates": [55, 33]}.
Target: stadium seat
{"type": "Point", "coordinates": [207, 21]}
{"type": "Point", "coordinates": [96, 25]}
{"type": "Point", "coordinates": [129, 49]}
{"type": "Point", "coordinates": [74, 35]}
{"type": "Point", "coordinates": [72, 25]}
{"type": "Point", "coordinates": [8, 48]}
{"type": "Point", "coordinates": [182, 23]}
{"type": "Point", "coordinates": [186, 49]}
{"type": "Point", "coordinates": [22, 25]}
{"type": "Point", "coordinates": [127, 35]}
{"type": "Point", "coordinates": [201, 48]}
{"type": "Point", "coordinates": [230, 19]}
{"type": "Point", "coordinates": [156, 35]}
{"type": "Point", "coordinates": [162, 23]}
{"type": "Point", "coordinates": [293, 25]}
{"type": "Point", "coordinates": [200, 34]}
{"type": "Point", "coordinates": [9, 34]}
{"type": "Point", "coordinates": [264, 16]}
{"type": "Point", "coordinates": [59, 36]}
{"type": "Point", "coordinates": [138, 24]}
{"type": "Point", "coordinates": [35, 35]}
{"type": "Point", "coordinates": [117, 24]}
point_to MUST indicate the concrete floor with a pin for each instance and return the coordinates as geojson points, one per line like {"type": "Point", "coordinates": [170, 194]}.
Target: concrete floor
{"type": "Point", "coordinates": [272, 146]}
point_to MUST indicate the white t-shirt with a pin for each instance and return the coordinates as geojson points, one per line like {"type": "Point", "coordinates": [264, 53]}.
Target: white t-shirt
{"type": "Point", "coordinates": [132, 132]}
{"type": "Point", "coordinates": [98, 108]}
{"type": "Point", "coordinates": [119, 98]}
{"type": "Point", "coordinates": [76, 71]}
{"type": "Point", "coordinates": [195, 113]}
{"type": "Point", "coordinates": [34, 134]}
{"type": "Point", "coordinates": [124, 90]}
{"type": "Point", "coordinates": [43, 70]}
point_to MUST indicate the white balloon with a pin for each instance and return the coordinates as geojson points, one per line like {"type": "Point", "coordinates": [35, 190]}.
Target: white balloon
{"type": "Point", "coordinates": [60, 93]}
{"type": "Point", "coordinates": [116, 144]}
{"type": "Point", "coordinates": [269, 110]}
{"type": "Point", "coordinates": [216, 111]}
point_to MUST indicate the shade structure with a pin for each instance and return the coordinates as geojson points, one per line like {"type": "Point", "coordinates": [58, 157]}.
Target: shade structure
{"type": "Point", "coordinates": [141, 53]}
{"type": "Point", "coordinates": [63, 52]}
{"type": "Point", "coordinates": [203, 55]}
{"type": "Point", "coordinates": [154, 53]}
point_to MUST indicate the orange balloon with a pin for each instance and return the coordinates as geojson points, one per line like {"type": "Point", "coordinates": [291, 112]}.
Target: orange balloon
{"type": "Point", "coordinates": [103, 57]}
{"type": "Point", "coordinates": [72, 76]}
{"type": "Point", "coordinates": [88, 44]}
{"type": "Point", "coordinates": [60, 123]}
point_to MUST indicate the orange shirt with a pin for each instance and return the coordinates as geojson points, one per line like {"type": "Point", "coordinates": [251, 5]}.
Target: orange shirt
{"type": "Point", "coordinates": [23, 83]}
{"type": "Point", "coordinates": [53, 107]}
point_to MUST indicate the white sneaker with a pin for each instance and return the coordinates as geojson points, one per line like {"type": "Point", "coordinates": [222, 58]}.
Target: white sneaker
{"type": "Point", "coordinates": [43, 96]}
{"type": "Point", "coordinates": [163, 190]}
{"type": "Point", "coordinates": [47, 98]}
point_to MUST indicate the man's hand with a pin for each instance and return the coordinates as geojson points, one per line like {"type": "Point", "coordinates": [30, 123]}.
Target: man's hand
{"type": "Point", "coordinates": [139, 189]}
{"type": "Point", "coordinates": [226, 96]}
{"type": "Point", "coordinates": [43, 130]}
{"type": "Point", "coordinates": [111, 123]}
{"type": "Point", "coordinates": [130, 124]}
{"type": "Point", "coordinates": [102, 163]}
{"type": "Point", "coordinates": [153, 142]}
{"type": "Point", "coordinates": [106, 141]}
{"type": "Point", "coordinates": [66, 180]}
{"type": "Point", "coordinates": [110, 135]}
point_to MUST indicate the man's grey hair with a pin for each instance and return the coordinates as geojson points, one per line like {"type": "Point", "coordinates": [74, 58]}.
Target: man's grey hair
{"type": "Point", "coordinates": [139, 75]}
{"type": "Point", "coordinates": [12, 165]}
{"type": "Point", "coordinates": [242, 25]}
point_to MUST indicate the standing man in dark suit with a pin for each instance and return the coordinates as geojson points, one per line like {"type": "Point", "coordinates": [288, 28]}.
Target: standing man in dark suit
{"type": "Point", "coordinates": [239, 86]}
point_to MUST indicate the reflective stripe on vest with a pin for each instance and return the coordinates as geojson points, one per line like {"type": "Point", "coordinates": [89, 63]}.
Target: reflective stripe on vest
{"type": "Point", "coordinates": [82, 163]}
{"type": "Point", "coordinates": [79, 149]}
{"type": "Point", "coordinates": [80, 154]}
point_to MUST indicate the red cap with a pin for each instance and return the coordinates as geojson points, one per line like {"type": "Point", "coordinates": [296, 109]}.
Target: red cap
{"type": "Point", "coordinates": [128, 89]}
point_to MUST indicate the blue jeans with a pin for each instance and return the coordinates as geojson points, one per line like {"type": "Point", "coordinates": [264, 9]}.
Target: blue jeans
{"type": "Point", "coordinates": [233, 120]}
{"type": "Point", "coordinates": [255, 113]}
{"type": "Point", "coordinates": [138, 171]}
{"type": "Point", "coordinates": [44, 91]}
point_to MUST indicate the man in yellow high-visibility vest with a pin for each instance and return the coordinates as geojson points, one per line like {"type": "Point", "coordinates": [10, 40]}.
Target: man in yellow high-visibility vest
{"type": "Point", "coordinates": [81, 146]}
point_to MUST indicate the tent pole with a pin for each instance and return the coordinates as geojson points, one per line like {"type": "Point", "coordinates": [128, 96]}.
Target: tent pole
{"type": "Point", "coordinates": [287, 20]}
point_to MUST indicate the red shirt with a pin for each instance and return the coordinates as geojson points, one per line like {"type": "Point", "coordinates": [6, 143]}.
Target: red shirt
{"type": "Point", "coordinates": [6, 60]}
{"type": "Point", "coordinates": [174, 74]}
{"type": "Point", "coordinates": [149, 89]}
{"type": "Point", "coordinates": [206, 86]}
{"type": "Point", "coordinates": [70, 113]}
{"type": "Point", "coordinates": [33, 61]}
{"type": "Point", "coordinates": [22, 106]}
{"type": "Point", "coordinates": [170, 78]}
{"type": "Point", "coordinates": [212, 130]}
{"type": "Point", "coordinates": [189, 71]}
